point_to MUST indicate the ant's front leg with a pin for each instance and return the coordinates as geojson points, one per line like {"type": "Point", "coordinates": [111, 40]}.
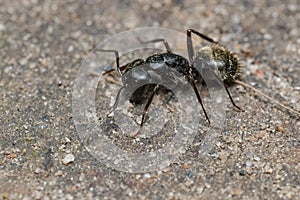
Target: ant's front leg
{"type": "Point", "coordinates": [231, 99]}
{"type": "Point", "coordinates": [190, 42]}
{"type": "Point", "coordinates": [117, 58]}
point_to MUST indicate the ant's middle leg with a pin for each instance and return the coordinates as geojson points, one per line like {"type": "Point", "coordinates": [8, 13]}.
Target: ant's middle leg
{"type": "Point", "coordinates": [192, 82]}
{"type": "Point", "coordinates": [156, 41]}
{"type": "Point", "coordinates": [149, 101]}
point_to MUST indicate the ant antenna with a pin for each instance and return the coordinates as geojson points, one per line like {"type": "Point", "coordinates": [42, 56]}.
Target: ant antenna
{"type": "Point", "coordinates": [267, 97]}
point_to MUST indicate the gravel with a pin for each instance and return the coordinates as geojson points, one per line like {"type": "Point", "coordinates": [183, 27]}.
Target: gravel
{"type": "Point", "coordinates": [43, 44]}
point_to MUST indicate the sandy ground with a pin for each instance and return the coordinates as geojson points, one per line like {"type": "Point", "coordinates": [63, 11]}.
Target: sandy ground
{"type": "Point", "coordinates": [42, 46]}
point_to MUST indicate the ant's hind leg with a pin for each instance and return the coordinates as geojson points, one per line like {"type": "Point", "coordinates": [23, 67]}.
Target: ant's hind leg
{"type": "Point", "coordinates": [232, 99]}
{"type": "Point", "coordinates": [156, 41]}
{"type": "Point", "coordinates": [199, 98]}
{"type": "Point", "coordinates": [117, 59]}
{"type": "Point", "coordinates": [119, 71]}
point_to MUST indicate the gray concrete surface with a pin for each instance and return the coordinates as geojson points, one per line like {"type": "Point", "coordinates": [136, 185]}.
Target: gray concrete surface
{"type": "Point", "coordinates": [42, 46]}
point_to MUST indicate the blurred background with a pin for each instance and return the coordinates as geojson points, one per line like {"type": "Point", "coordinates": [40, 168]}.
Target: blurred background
{"type": "Point", "coordinates": [43, 44]}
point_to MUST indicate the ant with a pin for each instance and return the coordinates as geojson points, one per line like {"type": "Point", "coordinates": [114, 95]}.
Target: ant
{"type": "Point", "coordinates": [215, 55]}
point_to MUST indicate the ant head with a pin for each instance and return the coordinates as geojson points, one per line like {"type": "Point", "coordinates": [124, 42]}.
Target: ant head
{"type": "Point", "coordinates": [224, 63]}
{"type": "Point", "coordinates": [227, 63]}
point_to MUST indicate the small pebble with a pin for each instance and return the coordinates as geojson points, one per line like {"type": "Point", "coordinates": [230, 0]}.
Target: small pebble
{"type": "Point", "coordinates": [69, 197]}
{"type": "Point", "coordinates": [69, 158]}
{"type": "Point", "coordinates": [58, 173]}
{"type": "Point", "coordinates": [23, 61]}
{"type": "Point", "coordinates": [70, 48]}
{"type": "Point", "coordinates": [147, 175]}
{"type": "Point", "coordinates": [37, 170]}
{"type": "Point", "coordinates": [67, 140]}
{"type": "Point", "coordinates": [242, 172]}
{"type": "Point", "coordinates": [280, 129]}
{"type": "Point", "coordinates": [267, 36]}
{"type": "Point", "coordinates": [236, 191]}
{"type": "Point", "coordinates": [248, 163]}
{"type": "Point", "coordinates": [223, 156]}
{"type": "Point", "coordinates": [12, 155]}
{"type": "Point", "coordinates": [268, 169]}
{"type": "Point", "coordinates": [256, 158]}
{"type": "Point", "coordinates": [138, 176]}
{"type": "Point", "coordinates": [2, 27]}
{"type": "Point", "coordinates": [5, 196]}
{"type": "Point", "coordinates": [190, 174]}
{"type": "Point", "coordinates": [32, 65]}
{"type": "Point", "coordinates": [277, 177]}
{"type": "Point", "coordinates": [186, 166]}
{"type": "Point", "coordinates": [42, 125]}
{"type": "Point", "coordinates": [38, 194]}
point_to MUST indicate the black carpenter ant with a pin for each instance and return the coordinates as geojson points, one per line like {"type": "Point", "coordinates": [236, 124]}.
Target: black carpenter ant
{"type": "Point", "coordinates": [225, 63]}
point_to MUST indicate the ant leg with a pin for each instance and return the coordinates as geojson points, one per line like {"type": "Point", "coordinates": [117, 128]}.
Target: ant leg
{"type": "Point", "coordinates": [117, 59]}
{"type": "Point", "coordinates": [190, 31]}
{"type": "Point", "coordinates": [116, 101]}
{"type": "Point", "coordinates": [232, 99]}
{"type": "Point", "coordinates": [156, 41]}
{"type": "Point", "coordinates": [148, 104]}
{"type": "Point", "coordinates": [119, 71]}
{"type": "Point", "coordinates": [190, 42]}
{"type": "Point", "coordinates": [199, 98]}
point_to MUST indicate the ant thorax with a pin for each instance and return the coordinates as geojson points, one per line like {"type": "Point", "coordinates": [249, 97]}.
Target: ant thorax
{"type": "Point", "coordinates": [224, 63]}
